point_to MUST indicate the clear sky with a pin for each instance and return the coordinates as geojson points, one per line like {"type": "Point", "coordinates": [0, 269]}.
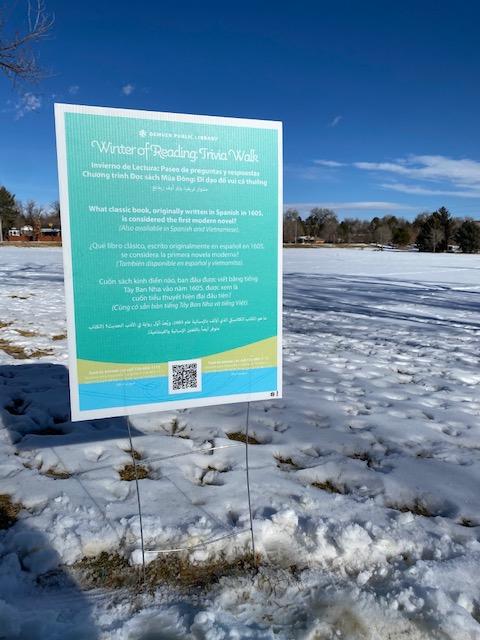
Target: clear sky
{"type": "Point", "coordinates": [380, 99]}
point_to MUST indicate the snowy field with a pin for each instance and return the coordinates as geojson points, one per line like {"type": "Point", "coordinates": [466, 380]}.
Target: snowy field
{"type": "Point", "coordinates": [365, 477]}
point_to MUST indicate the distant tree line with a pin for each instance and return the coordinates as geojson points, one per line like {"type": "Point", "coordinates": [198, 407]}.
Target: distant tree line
{"type": "Point", "coordinates": [16, 214]}
{"type": "Point", "coordinates": [437, 231]}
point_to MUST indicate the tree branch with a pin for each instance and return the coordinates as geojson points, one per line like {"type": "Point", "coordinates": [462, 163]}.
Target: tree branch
{"type": "Point", "coordinates": [17, 58]}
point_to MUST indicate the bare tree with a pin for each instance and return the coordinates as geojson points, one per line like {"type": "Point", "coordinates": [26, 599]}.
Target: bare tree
{"type": "Point", "coordinates": [383, 235]}
{"type": "Point", "coordinates": [435, 236]}
{"type": "Point", "coordinates": [18, 39]}
{"type": "Point", "coordinates": [52, 215]}
{"type": "Point", "coordinates": [322, 223]}
{"type": "Point", "coordinates": [34, 216]}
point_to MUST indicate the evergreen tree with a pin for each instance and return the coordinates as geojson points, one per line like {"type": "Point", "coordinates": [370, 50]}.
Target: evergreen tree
{"type": "Point", "coordinates": [346, 228]}
{"type": "Point", "coordinates": [401, 236]}
{"type": "Point", "coordinates": [8, 209]}
{"type": "Point", "coordinates": [448, 225]}
{"type": "Point", "coordinates": [436, 231]}
{"type": "Point", "coordinates": [468, 237]}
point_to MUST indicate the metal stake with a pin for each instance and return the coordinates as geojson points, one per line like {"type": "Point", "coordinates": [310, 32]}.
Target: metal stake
{"type": "Point", "coordinates": [248, 484]}
{"type": "Point", "coordinates": [132, 453]}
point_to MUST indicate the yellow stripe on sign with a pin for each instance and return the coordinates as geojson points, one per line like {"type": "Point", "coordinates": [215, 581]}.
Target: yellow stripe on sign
{"type": "Point", "coordinates": [252, 356]}
{"type": "Point", "coordinates": [92, 371]}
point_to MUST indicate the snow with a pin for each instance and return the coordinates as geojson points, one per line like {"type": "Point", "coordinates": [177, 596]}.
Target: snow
{"type": "Point", "coordinates": [364, 482]}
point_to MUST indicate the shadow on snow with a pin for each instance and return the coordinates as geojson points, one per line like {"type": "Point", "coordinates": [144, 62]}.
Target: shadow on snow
{"type": "Point", "coordinates": [415, 303]}
{"type": "Point", "coordinates": [35, 408]}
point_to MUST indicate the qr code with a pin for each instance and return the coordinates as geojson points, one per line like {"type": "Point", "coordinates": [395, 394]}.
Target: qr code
{"type": "Point", "coordinates": [184, 376]}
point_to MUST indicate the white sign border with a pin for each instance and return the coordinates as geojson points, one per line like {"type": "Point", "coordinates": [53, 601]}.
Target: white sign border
{"type": "Point", "coordinates": [76, 413]}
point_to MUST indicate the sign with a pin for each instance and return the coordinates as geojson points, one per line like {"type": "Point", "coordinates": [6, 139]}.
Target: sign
{"type": "Point", "coordinates": [172, 255]}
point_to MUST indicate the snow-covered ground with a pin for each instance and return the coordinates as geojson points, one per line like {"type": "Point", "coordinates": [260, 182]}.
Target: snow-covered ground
{"type": "Point", "coordinates": [365, 478]}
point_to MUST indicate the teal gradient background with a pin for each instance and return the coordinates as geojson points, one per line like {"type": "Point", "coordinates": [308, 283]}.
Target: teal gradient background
{"type": "Point", "coordinates": [93, 302]}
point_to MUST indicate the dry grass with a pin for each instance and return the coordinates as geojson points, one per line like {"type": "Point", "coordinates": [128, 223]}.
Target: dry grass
{"type": "Point", "coordinates": [15, 351]}
{"type": "Point", "coordinates": [286, 461]}
{"type": "Point", "coordinates": [364, 456]}
{"type": "Point", "coordinates": [59, 336]}
{"type": "Point", "coordinates": [180, 571]}
{"type": "Point", "coordinates": [19, 352]}
{"type": "Point", "coordinates": [417, 507]}
{"type": "Point", "coordinates": [329, 486]}
{"type": "Point", "coordinates": [40, 353]}
{"type": "Point", "coordinates": [56, 474]}
{"type": "Point", "coordinates": [204, 480]}
{"type": "Point", "coordinates": [112, 571]}
{"type": "Point", "coordinates": [8, 511]}
{"type": "Point", "coordinates": [466, 522]}
{"type": "Point", "coordinates": [238, 436]}
{"type": "Point", "coordinates": [134, 453]}
{"type": "Point", "coordinates": [4, 324]}
{"type": "Point", "coordinates": [25, 333]}
{"type": "Point", "coordinates": [107, 571]}
{"type": "Point", "coordinates": [128, 472]}
{"type": "Point", "coordinates": [176, 429]}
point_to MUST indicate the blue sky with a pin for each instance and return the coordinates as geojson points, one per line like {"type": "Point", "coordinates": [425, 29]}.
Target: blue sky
{"type": "Point", "coordinates": [380, 100]}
